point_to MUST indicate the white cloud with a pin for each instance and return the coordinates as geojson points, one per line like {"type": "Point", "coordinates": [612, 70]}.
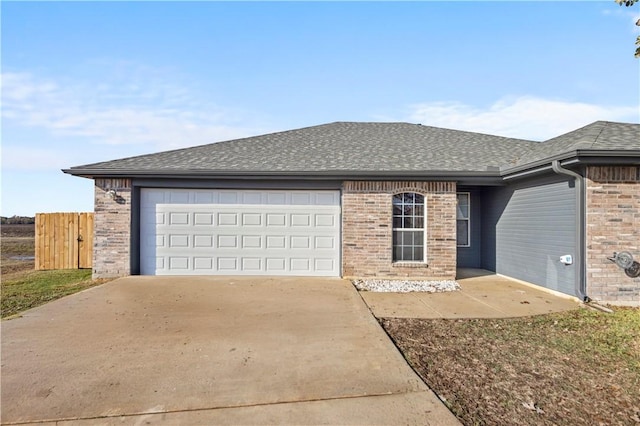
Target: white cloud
{"type": "Point", "coordinates": [32, 159]}
{"type": "Point", "coordinates": [525, 117]}
{"type": "Point", "coordinates": [628, 14]}
{"type": "Point", "coordinates": [128, 110]}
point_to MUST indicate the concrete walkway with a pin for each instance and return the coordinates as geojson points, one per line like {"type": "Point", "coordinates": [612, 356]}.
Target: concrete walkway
{"type": "Point", "coordinates": [483, 294]}
{"type": "Point", "coordinates": [209, 350]}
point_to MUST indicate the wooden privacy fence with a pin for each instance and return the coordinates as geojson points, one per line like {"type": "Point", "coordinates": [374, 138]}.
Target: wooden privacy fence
{"type": "Point", "coordinates": [64, 240]}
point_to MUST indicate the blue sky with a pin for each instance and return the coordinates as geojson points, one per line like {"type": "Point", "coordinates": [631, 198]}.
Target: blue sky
{"type": "Point", "coordinates": [84, 82]}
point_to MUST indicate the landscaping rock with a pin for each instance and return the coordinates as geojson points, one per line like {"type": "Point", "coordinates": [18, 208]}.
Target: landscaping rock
{"type": "Point", "coordinates": [406, 286]}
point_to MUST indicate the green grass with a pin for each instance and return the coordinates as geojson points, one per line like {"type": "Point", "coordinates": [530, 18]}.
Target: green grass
{"type": "Point", "coordinates": [585, 334]}
{"type": "Point", "coordinates": [34, 288]}
{"type": "Point", "coordinates": [615, 335]}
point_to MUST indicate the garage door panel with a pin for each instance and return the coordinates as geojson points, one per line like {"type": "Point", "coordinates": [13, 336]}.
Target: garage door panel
{"type": "Point", "coordinates": [275, 264]}
{"type": "Point", "coordinates": [179, 218]}
{"type": "Point", "coordinates": [227, 241]}
{"type": "Point", "coordinates": [325, 265]}
{"type": "Point", "coordinates": [300, 264]}
{"type": "Point", "coordinates": [178, 241]}
{"type": "Point", "coordinates": [246, 266]}
{"type": "Point", "coordinates": [299, 242]}
{"type": "Point", "coordinates": [252, 219]}
{"type": "Point", "coordinates": [300, 219]}
{"type": "Point", "coordinates": [325, 220]}
{"type": "Point", "coordinates": [203, 263]}
{"type": "Point", "coordinates": [322, 242]}
{"type": "Point", "coordinates": [252, 241]}
{"type": "Point", "coordinates": [179, 262]}
{"type": "Point", "coordinates": [252, 264]}
{"type": "Point", "coordinates": [227, 219]}
{"type": "Point", "coordinates": [228, 264]}
{"type": "Point", "coordinates": [276, 242]}
{"type": "Point", "coordinates": [203, 218]}
{"type": "Point", "coordinates": [276, 219]}
{"type": "Point", "coordinates": [203, 241]}
{"type": "Point", "coordinates": [253, 236]}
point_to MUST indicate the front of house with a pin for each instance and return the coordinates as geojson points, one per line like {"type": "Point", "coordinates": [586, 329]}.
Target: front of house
{"type": "Point", "coordinates": [386, 200]}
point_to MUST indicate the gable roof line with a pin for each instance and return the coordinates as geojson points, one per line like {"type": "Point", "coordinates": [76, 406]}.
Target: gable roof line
{"type": "Point", "coordinates": [361, 149]}
{"type": "Point", "coordinates": [188, 148]}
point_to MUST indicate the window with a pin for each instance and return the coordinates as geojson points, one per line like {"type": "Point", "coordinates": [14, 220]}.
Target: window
{"type": "Point", "coordinates": [462, 217]}
{"type": "Point", "coordinates": [408, 227]}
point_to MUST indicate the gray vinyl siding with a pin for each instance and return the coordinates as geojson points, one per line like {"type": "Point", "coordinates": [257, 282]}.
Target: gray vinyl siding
{"type": "Point", "coordinates": [470, 257]}
{"type": "Point", "coordinates": [527, 226]}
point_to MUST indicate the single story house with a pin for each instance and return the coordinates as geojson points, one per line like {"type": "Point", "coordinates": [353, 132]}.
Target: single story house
{"type": "Point", "coordinates": [386, 200]}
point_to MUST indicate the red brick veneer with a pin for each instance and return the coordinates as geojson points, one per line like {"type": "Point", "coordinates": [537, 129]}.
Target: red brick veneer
{"type": "Point", "coordinates": [613, 225]}
{"type": "Point", "coordinates": [367, 230]}
{"type": "Point", "coordinates": [112, 228]}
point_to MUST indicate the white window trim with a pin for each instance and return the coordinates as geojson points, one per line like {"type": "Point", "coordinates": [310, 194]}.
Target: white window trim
{"type": "Point", "coordinates": [424, 233]}
{"type": "Point", "coordinates": [468, 219]}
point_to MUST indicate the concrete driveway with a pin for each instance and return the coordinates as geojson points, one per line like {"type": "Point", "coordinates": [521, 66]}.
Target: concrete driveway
{"type": "Point", "coordinates": [209, 350]}
{"type": "Point", "coordinates": [483, 294]}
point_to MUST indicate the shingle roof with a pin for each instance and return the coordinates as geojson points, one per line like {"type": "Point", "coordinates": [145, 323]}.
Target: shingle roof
{"type": "Point", "coordinates": [598, 136]}
{"type": "Point", "coordinates": [337, 147]}
{"type": "Point", "coordinates": [359, 148]}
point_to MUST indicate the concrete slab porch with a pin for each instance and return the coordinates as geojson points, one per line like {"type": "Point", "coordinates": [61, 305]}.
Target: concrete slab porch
{"type": "Point", "coordinates": [483, 294]}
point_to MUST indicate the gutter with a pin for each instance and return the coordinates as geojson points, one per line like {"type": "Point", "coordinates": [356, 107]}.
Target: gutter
{"type": "Point", "coordinates": [580, 280]}
{"type": "Point", "coordinates": [583, 156]}
{"type": "Point", "coordinates": [491, 176]}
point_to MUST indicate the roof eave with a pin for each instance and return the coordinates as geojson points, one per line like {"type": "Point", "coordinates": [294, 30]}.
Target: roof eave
{"type": "Point", "coordinates": [581, 156]}
{"type": "Point", "coordinates": [600, 157]}
{"type": "Point", "coordinates": [333, 174]}
{"type": "Point", "coordinates": [576, 157]}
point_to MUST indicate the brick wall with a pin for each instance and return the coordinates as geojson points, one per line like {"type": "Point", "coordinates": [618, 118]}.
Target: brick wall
{"type": "Point", "coordinates": [367, 230]}
{"type": "Point", "coordinates": [613, 225]}
{"type": "Point", "coordinates": [112, 234]}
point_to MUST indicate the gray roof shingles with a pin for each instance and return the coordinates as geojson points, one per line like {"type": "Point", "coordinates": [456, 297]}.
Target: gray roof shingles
{"type": "Point", "coordinates": [358, 148]}
{"type": "Point", "coordinates": [598, 136]}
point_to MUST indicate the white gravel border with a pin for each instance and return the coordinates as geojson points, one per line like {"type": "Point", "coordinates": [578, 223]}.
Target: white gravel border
{"type": "Point", "coordinates": [405, 286]}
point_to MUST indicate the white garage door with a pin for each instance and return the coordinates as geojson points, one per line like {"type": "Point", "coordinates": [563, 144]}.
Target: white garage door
{"type": "Point", "coordinates": [229, 232]}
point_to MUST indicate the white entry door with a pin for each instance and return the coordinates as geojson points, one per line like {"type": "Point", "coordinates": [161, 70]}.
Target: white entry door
{"type": "Point", "coordinates": [239, 232]}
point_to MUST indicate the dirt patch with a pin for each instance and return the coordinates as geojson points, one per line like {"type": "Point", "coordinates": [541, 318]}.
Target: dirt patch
{"type": "Point", "coordinates": [17, 230]}
{"type": "Point", "coordinates": [17, 248]}
{"type": "Point", "coordinates": [572, 368]}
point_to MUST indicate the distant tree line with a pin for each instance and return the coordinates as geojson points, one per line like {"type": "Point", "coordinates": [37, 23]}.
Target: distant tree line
{"type": "Point", "coordinates": [17, 220]}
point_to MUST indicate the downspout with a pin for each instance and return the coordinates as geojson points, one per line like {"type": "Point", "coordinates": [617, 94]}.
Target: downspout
{"type": "Point", "coordinates": [580, 280]}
